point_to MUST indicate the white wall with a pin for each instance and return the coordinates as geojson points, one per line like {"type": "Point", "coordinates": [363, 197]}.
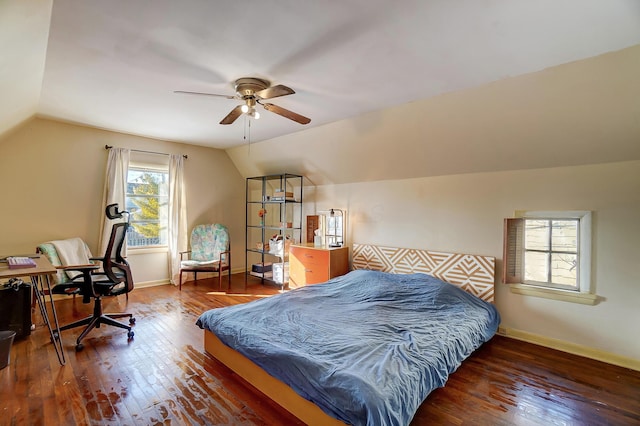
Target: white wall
{"type": "Point", "coordinates": [52, 177]}
{"type": "Point", "coordinates": [464, 214]}
{"type": "Point", "coordinates": [24, 33]}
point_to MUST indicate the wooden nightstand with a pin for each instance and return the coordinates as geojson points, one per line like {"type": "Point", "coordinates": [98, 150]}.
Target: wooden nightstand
{"type": "Point", "coordinates": [311, 265]}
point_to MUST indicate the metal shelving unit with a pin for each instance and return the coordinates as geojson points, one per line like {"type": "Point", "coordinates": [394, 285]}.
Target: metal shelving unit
{"type": "Point", "coordinates": [280, 196]}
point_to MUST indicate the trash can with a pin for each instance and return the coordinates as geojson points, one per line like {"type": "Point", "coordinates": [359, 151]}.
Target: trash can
{"type": "Point", "coordinates": [6, 340]}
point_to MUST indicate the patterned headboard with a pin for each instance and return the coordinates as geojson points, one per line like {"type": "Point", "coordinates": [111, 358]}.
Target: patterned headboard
{"type": "Point", "coordinates": [474, 274]}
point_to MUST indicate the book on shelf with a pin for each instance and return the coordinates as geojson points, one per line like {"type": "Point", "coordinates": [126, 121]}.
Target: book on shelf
{"type": "Point", "coordinates": [279, 199]}
{"type": "Point", "coordinates": [20, 262]}
{"type": "Point", "coordinates": [283, 194]}
{"type": "Point", "coordinates": [261, 267]}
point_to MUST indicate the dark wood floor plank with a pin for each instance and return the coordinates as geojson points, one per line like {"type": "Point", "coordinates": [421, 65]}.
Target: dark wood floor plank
{"type": "Point", "coordinates": [164, 377]}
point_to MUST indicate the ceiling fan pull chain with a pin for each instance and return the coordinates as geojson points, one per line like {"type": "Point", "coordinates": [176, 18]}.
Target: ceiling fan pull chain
{"type": "Point", "coordinates": [249, 147]}
{"type": "Point", "coordinates": [247, 133]}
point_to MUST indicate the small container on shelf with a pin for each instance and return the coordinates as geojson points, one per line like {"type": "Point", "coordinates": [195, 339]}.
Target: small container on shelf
{"type": "Point", "coordinates": [281, 272]}
{"type": "Point", "coordinates": [262, 246]}
{"type": "Point", "coordinates": [286, 224]}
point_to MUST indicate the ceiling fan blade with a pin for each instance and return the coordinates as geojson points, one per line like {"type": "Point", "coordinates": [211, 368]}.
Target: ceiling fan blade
{"type": "Point", "coordinates": [274, 92]}
{"type": "Point", "coordinates": [233, 115]}
{"type": "Point", "coordinates": [286, 113]}
{"type": "Point", "coordinates": [205, 94]}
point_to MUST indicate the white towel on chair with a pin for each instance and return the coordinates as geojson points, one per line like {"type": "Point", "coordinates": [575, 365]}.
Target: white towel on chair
{"type": "Point", "coordinates": [72, 251]}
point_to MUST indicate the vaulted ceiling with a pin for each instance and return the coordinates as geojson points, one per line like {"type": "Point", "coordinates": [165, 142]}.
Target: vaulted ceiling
{"type": "Point", "coordinates": [116, 64]}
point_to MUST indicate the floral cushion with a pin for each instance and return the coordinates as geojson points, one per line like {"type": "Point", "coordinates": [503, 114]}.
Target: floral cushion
{"type": "Point", "coordinates": [207, 242]}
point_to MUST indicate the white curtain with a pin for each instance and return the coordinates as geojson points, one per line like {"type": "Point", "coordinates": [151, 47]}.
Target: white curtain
{"type": "Point", "coordinates": [177, 215]}
{"type": "Point", "coordinates": [115, 189]}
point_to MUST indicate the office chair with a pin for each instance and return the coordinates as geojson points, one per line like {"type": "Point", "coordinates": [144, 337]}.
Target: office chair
{"type": "Point", "coordinates": [210, 252]}
{"type": "Point", "coordinates": [113, 280]}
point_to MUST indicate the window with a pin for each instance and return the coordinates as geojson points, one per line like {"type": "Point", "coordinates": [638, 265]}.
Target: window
{"type": "Point", "coordinates": [147, 200]}
{"type": "Point", "coordinates": [548, 254]}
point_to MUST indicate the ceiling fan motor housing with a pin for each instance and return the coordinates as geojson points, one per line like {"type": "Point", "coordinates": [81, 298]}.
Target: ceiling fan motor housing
{"type": "Point", "coordinates": [247, 87]}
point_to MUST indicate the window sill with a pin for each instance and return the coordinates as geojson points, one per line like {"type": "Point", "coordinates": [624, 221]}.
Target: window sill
{"type": "Point", "coordinates": [555, 294]}
{"type": "Point", "coordinates": [146, 250]}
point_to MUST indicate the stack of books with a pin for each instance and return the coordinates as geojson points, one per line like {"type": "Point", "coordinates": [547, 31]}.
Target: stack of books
{"type": "Point", "coordinates": [282, 196]}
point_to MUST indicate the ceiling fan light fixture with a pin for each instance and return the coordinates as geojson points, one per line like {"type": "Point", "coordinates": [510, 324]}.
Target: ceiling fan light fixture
{"type": "Point", "coordinates": [251, 112]}
{"type": "Point", "coordinates": [244, 108]}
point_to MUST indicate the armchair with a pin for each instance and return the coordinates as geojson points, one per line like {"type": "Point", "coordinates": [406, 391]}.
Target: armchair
{"type": "Point", "coordinates": [210, 252]}
{"type": "Point", "coordinates": [110, 277]}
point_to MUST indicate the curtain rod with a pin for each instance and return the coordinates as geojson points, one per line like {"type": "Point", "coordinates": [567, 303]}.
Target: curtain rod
{"type": "Point", "coordinates": [146, 152]}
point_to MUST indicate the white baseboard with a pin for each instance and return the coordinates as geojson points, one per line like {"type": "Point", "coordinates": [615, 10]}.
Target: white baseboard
{"type": "Point", "coordinates": [571, 348]}
{"type": "Point", "coordinates": [151, 283]}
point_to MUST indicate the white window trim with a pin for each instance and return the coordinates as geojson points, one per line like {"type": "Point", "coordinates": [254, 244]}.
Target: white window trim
{"type": "Point", "coordinates": [585, 295]}
{"type": "Point", "coordinates": [148, 249]}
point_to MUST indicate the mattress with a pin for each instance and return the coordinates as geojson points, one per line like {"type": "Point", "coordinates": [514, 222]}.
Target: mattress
{"type": "Point", "coordinates": [367, 347]}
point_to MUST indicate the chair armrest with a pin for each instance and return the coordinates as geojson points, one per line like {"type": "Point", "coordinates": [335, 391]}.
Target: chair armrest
{"type": "Point", "coordinates": [182, 253]}
{"type": "Point", "coordinates": [80, 268]}
{"type": "Point", "coordinates": [87, 283]}
{"type": "Point", "coordinates": [226, 252]}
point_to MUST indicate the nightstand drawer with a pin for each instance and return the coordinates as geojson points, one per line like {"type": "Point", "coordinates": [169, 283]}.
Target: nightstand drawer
{"type": "Point", "coordinates": [302, 274]}
{"type": "Point", "coordinates": [310, 257]}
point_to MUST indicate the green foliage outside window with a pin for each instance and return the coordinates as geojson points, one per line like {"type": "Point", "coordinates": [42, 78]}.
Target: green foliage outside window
{"type": "Point", "coordinates": [148, 208]}
{"type": "Point", "coordinates": [147, 201]}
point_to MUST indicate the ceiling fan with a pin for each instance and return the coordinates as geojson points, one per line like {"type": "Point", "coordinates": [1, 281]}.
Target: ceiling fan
{"type": "Point", "coordinates": [254, 91]}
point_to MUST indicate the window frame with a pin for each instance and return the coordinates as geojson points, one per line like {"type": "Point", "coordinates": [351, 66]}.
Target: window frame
{"type": "Point", "coordinates": [513, 257]}
{"type": "Point", "coordinates": [154, 168]}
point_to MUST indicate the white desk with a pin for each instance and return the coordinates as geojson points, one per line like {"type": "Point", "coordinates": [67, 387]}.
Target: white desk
{"type": "Point", "coordinates": [40, 278]}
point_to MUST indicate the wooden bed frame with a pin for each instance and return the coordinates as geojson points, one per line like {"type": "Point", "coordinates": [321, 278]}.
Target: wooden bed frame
{"type": "Point", "coordinates": [474, 274]}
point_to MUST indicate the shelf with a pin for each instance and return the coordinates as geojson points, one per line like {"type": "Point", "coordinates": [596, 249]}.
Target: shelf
{"type": "Point", "coordinates": [285, 210]}
{"type": "Point", "coordinates": [274, 228]}
{"type": "Point", "coordinates": [265, 275]}
{"type": "Point", "coordinates": [252, 250]}
{"type": "Point", "coordinates": [275, 202]}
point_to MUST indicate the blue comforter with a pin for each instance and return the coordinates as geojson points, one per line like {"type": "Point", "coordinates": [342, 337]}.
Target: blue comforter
{"type": "Point", "coordinates": [367, 347]}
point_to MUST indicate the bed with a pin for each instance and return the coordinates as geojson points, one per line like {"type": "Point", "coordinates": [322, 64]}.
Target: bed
{"type": "Point", "coordinates": [365, 348]}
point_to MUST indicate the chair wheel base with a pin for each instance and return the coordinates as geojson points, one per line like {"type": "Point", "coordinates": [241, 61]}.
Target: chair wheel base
{"type": "Point", "coordinates": [132, 320]}
{"type": "Point", "coordinates": [130, 334]}
{"type": "Point", "coordinates": [79, 347]}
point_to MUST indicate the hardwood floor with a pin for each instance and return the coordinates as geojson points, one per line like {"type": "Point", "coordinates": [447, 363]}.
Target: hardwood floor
{"type": "Point", "coordinates": [163, 375]}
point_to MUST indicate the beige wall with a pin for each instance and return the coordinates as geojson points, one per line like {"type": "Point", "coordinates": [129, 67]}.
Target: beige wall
{"type": "Point", "coordinates": [464, 213]}
{"type": "Point", "coordinates": [584, 112]}
{"type": "Point", "coordinates": [52, 178]}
